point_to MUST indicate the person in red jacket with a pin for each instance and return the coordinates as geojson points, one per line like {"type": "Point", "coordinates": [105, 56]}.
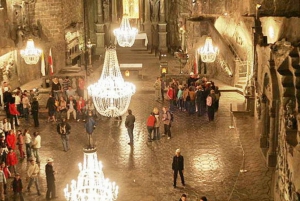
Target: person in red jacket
{"type": "Point", "coordinates": [11, 140]}
{"type": "Point", "coordinates": [80, 108]}
{"type": "Point", "coordinates": [150, 125]}
{"type": "Point", "coordinates": [12, 160]}
{"type": "Point", "coordinates": [14, 113]}
{"type": "Point", "coordinates": [7, 174]}
{"type": "Point", "coordinates": [171, 96]}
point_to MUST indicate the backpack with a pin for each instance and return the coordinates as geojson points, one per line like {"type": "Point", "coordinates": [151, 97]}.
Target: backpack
{"type": "Point", "coordinates": [172, 116]}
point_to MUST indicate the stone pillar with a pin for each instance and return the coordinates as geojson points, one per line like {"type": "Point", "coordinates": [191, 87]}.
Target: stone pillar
{"type": "Point", "coordinates": [263, 135]}
{"type": "Point", "coordinates": [100, 32]}
{"type": "Point", "coordinates": [147, 11]}
{"type": "Point", "coordinates": [162, 28]}
{"type": "Point", "coordinates": [114, 17]}
{"type": "Point", "coordinates": [271, 155]}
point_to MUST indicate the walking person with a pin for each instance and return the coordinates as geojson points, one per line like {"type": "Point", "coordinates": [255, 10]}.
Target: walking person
{"type": "Point", "coordinates": [2, 183]}
{"type": "Point", "coordinates": [17, 187]}
{"type": "Point", "coordinates": [27, 140]}
{"type": "Point", "coordinates": [178, 166]}
{"type": "Point", "coordinates": [63, 129]}
{"type": "Point", "coordinates": [36, 145]}
{"type": "Point", "coordinates": [129, 124]}
{"type": "Point", "coordinates": [90, 126]}
{"type": "Point", "coordinates": [166, 119]}
{"type": "Point", "coordinates": [35, 112]}
{"type": "Point", "coordinates": [51, 191]}
{"type": "Point", "coordinates": [150, 126]}
{"type": "Point", "coordinates": [33, 173]}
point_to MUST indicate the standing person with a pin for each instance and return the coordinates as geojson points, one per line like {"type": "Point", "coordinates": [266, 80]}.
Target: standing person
{"type": "Point", "coordinates": [156, 135]}
{"type": "Point", "coordinates": [35, 112]}
{"type": "Point", "coordinates": [7, 174]}
{"type": "Point", "coordinates": [80, 107]}
{"type": "Point", "coordinates": [18, 103]}
{"type": "Point", "coordinates": [150, 126]}
{"type": "Point", "coordinates": [183, 197]}
{"type": "Point", "coordinates": [129, 124]}
{"type": "Point", "coordinates": [171, 96]}
{"type": "Point", "coordinates": [3, 148]}
{"type": "Point", "coordinates": [210, 105]}
{"type": "Point", "coordinates": [7, 96]}
{"type": "Point", "coordinates": [51, 191]}
{"type": "Point", "coordinates": [12, 160]}
{"type": "Point", "coordinates": [178, 166]}
{"type": "Point", "coordinates": [51, 108]}
{"type": "Point", "coordinates": [63, 129]}
{"type": "Point", "coordinates": [218, 95]}
{"type": "Point", "coordinates": [200, 98]}
{"type": "Point", "coordinates": [66, 84]}
{"type": "Point", "coordinates": [36, 145]}
{"type": "Point", "coordinates": [56, 88]}
{"type": "Point", "coordinates": [180, 97]}
{"type": "Point", "coordinates": [26, 106]}
{"type": "Point", "coordinates": [80, 87]}
{"type": "Point", "coordinates": [27, 140]}
{"type": "Point", "coordinates": [2, 183]}
{"type": "Point", "coordinates": [17, 187]}
{"type": "Point", "coordinates": [20, 142]}
{"type": "Point", "coordinates": [13, 113]}
{"type": "Point", "coordinates": [166, 119]}
{"type": "Point", "coordinates": [11, 140]}
{"type": "Point", "coordinates": [6, 126]}
{"type": "Point", "coordinates": [163, 86]}
{"type": "Point", "coordinates": [90, 125]}
{"type": "Point", "coordinates": [157, 88]}
{"type": "Point", "coordinates": [33, 173]}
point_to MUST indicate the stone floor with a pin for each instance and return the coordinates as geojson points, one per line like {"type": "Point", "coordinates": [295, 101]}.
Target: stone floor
{"type": "Point", "coordinates": [214, 154]}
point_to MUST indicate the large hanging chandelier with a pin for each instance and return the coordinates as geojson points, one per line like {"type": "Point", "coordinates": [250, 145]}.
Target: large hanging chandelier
{"type": "Point", "coordinates": [30, 54]}
{"type": "Point", "coordinates": [111, 94]}
{"type": "Point", "coordinates": [91, 184]}
{"type": "Point", "coordinates": [125, 34]}
{"type": "Point", "coordinates": [208, 52]}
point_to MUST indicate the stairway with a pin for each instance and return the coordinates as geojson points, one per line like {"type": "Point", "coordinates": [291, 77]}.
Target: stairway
{"type": "Point", "coordinates": [134, 55]}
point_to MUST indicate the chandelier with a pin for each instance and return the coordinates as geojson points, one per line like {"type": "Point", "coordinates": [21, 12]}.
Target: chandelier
{"type": "Point", "coordinates": [208, 52]}
{"type": "Point", "coordinates": [125, 35]}
{"type": "Point", "coordinates": [30, 54]}
{"type": "Point", "coordinates": [111, 95]}
{"type": "Point", "coordinates": [91, 184]}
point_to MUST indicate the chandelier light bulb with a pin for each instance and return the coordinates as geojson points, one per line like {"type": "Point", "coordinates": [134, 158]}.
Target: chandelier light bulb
{"type": "Point", "coordinates": [111, 94]}
{"type": "Point", "coordinates": [125, 34]}
{"type": "Point", "coordinates": [208, 52]}
{"type": "Point", "coordinates": [30, 54]}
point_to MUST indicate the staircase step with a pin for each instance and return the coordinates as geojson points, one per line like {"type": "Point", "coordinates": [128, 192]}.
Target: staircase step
{"type": "Point", "coordinates": [244, 74]}
{"type": "Point", "coordinates": [239, 86]}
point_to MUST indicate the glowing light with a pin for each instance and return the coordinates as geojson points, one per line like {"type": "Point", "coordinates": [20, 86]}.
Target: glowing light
{"type": "Point", "coordinates": [111, 94]}
{"type": "Point", "coordinates": [30, 54]}
{"type": "Point", "coordinates": [125, 35]}
{"type": "Point", "coordinates": [208, 52]}
{"type": "Point", "coordinates": [91, 184]}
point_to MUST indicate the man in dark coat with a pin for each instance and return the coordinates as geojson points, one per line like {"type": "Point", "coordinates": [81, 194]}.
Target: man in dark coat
{"type": "Point", "coordinates": [35, 112]}
{"type": "Point", "coordinates": [17, 187]}
{"type": "Point", "coordinates": [200, 100]}
{"type": "Point", "coordinates": [51, 192]}
{"type": "Point", "coordinates": [129, 124]}
{"type": "Point", "coordinates": [178, 166]}
{"type": "Point", "coordinates": [90, 125]}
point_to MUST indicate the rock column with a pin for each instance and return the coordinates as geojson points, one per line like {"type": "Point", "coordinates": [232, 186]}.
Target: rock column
{"type": "Point", "coordinates": [100, 34]}
{"type": "Point", "coordinates": [162, 28]}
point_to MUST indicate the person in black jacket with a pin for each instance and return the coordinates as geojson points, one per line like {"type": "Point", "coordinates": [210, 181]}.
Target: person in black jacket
{"type": "Point", "coordinates": [178, 166]}
{"type": "Point", "coordinates": [35, 112]}
{"type": "Point", "coordinates": [129, 123]}
{"type": "Point", "coordinates": [183, 197]}
{"type": "Point", "coordinates": [17, 187]}
{"type": "Point", "coordinates": [51, 192]}
{"type": "Point", "coordinates": [51, 108]}
{"type": "Point", "coordinates": [63, 129]}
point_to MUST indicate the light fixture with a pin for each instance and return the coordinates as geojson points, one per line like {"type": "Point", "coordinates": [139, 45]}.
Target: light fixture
{"type": "Point", "coordinates": [208, 52]}
{"type": "Point", "coordinates": [125, 34]}
{"type": "Point", "coordinates": [127, 73]}
{"type": "Point", "coordinates": [111, 94]}
{"type": "Point", "coordinates": [30, 54]}
{"type": "Point", "coordinates": [91, 184]}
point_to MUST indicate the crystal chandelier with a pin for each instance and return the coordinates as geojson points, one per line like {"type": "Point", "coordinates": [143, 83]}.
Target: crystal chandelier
{"type": "Point", "coordinates": [208, 52]}
{"type": "Point", "coordinates": [91, 184]}
{"type": "Point", "coordinates": [30, 54]}
{"type": "Point", "coordinates": [111, 95]}
{"type": "Point", "coordinates": [125, 35]}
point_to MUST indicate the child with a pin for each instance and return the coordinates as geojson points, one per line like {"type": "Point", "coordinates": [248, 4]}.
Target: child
{"type": "Point", "coordinates": [17, 187]}
{"type": "Point", "coordinates": [11, 160]}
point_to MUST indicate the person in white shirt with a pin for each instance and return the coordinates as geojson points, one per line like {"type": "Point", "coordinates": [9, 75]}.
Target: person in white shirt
{"type": "Point", "coordinates": [71, 105]}
{"type": "Point", "coordinates": [28, 141]}
{"type": "Point", "coordinates": [32, 173]}
{"type": "Point", "coordinates": [26, 106]}
{"type": "Point", "coordinates": [6, 126]}
{"type": "Point", "coordinates": [18, 103]}
{"type": "Point", "coordinates": [36, 145]}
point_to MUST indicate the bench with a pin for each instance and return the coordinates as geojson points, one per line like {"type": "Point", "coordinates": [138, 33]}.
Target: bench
{"type": "Point", "coordinates": [133, 67]}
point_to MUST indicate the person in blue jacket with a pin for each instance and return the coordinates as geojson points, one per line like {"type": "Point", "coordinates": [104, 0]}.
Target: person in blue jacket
{"type": "Point", "coordinates": [90, 125]}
